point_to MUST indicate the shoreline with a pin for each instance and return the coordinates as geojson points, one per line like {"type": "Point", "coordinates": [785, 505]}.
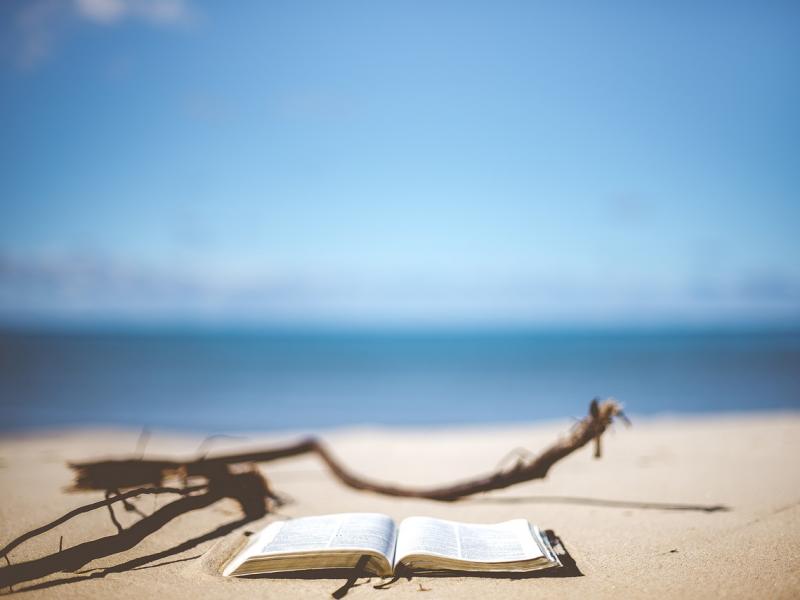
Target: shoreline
{"type": "Point", "coordinates": [637, 419]}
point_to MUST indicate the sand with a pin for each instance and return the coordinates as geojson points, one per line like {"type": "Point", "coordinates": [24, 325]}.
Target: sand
{"type": "Point", "coordinates": [638, 522]}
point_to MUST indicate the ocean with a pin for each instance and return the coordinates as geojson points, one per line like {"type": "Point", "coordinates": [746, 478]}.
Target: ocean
{"type": "Point", "coordinates": [228, 381]}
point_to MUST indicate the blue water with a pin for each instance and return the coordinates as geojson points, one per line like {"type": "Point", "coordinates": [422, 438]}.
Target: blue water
{"type": "Point", "coordinates": [257, 381]}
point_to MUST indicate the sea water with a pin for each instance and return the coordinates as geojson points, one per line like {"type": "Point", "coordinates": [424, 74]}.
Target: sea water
{"type": "Point", "coordinates": [215, 381]}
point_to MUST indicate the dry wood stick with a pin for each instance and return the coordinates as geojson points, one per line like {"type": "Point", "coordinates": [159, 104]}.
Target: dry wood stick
{"type": "Point", "coordinates": [114, 474]}
{"type": "Point", "coordinates": [586, 430]}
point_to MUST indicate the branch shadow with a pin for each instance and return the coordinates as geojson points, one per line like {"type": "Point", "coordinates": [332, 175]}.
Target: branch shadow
{"type": "Point", "coordinates": [246, 488]}
{"type": "Point", "coordinates": [707, 508]}
{"type": "Point", "coordinates": [140, 563]}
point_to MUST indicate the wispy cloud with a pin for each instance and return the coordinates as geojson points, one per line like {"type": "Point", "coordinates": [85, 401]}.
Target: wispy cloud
{"type": "Point", "coordinates": [36, 27]}
{"type": "Point", "coordinates": [94, 287]}
{"type": "Point", "coordinates": [157, 12]}
{"type": "Point", "coordinates": [628, 209]}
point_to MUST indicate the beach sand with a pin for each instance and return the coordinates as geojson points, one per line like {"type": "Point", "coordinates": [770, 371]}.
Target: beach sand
{"type": "Point", "coordinates": [695, 507]}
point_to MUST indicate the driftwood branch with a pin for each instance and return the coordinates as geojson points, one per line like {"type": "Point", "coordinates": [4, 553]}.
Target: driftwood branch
{"type": "Point", "coordinates": [122, 474]}
{"type": "Point", "coordinates": [234, 476]}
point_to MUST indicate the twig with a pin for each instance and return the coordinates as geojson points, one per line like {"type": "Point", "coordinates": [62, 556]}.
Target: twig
{"type": "Point", "coordinates": [113, 474]}
{"type": "Point", "coordinates": [519, 454]}
{"type": "Point", "coordinates": [591, 427]}
{"type": "Point", "coordinates": [205, 445]}
{"type": "Point", "coordinates": [141, 443]}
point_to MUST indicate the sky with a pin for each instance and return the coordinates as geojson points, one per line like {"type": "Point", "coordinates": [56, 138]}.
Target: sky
{"type": "Point", "coordinates": [519, 163]}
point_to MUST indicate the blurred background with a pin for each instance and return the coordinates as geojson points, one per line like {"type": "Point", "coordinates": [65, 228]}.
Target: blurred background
{"type": "Point", "coordinates": [272, 215]}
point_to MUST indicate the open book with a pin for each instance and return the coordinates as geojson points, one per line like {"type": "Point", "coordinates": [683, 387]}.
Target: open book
{"type": "Point", "coordinates": [373, 543]}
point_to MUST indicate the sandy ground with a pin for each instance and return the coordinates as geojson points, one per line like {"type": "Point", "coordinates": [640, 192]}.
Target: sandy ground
{"type": "Point", "coordinates": [637, 522]}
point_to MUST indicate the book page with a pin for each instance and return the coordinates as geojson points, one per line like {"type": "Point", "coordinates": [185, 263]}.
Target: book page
{"type": "Point", "coordinates": [497, 543]}
{"type": "Point", "coordinates": [347, 531]}
{"type": "Point", "coordinates": [503, 542]}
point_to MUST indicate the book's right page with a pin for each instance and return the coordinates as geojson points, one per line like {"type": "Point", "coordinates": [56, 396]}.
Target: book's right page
{"type": "Point", "coordinates": [425, 543]}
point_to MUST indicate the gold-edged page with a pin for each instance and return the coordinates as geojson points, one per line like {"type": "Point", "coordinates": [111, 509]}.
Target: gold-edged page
{"type": "Point", "coordinates": [429, 544]}
{"type": "Point", "coordinates": [256, 542]}
{"type": "Point", "coordinates": [319, 542]}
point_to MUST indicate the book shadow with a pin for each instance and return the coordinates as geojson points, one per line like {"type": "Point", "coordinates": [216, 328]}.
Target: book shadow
{"type": "Point", "coordinates": [630, 504]}
{"type": "Point", "coordinates": [353, 576]}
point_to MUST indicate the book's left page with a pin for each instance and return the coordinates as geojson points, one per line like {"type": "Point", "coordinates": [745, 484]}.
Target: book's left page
{"type": "Point", "coordinates": [320, 542]}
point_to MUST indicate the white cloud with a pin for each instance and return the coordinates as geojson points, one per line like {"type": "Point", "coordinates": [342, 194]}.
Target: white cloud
{"type": "Point", "coordinates": [37, 26]}
{"type": "Point", "coordinates": [101, 11]}
{"type": "Point", "coordinates": [158, 12]}
{"type": "Point", "coordinates": [96, 286]}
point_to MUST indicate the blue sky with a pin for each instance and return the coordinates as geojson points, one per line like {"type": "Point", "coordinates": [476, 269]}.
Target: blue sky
{"type": "Point", "coordinates": [400, 162]}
